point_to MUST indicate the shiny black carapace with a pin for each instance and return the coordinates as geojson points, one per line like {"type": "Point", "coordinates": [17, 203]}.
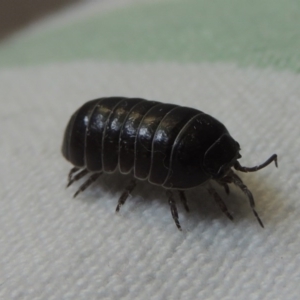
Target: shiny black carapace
{"type": "Point", "coordinates": [172, 146]}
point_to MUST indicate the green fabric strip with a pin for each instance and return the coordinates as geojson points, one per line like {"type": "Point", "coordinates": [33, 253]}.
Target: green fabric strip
{"type": "Point", "coordinates": [264, 33]}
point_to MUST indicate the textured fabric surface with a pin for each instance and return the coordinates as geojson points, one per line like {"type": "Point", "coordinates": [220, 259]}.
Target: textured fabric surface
{"type": "Point", "coordinates": [55, 247]}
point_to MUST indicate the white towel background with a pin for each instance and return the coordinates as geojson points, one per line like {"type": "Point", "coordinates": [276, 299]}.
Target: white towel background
{"type": "Point", "coordinates": [57, 247]}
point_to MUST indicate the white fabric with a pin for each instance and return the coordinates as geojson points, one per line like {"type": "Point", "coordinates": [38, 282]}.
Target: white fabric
{"type": "Point", "coordinates": [55, 247]}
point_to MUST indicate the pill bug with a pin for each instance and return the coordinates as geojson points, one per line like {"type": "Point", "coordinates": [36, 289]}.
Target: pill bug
{"type": "Point", "coordinates": [169, 145]}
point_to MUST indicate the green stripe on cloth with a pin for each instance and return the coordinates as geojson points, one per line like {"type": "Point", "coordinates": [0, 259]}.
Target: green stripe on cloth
{"type": "Point", "coordinates": [260, 32]}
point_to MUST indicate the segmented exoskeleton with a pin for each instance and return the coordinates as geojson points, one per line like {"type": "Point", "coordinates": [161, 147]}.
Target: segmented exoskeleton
{"type": "Point", "coordinates": [172, 146]}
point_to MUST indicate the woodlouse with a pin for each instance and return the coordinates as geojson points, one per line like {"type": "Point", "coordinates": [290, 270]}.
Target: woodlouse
{"type": "Point", "coordinates": [169, 145]}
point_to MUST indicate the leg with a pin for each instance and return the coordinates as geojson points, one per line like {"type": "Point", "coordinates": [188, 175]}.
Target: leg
{"type": "Point", "coordinates": [125, 194]}
{"type": "Point", "coordinates": [72, 171]}
{"type": "Point", "coordinates": [232, 177]}
{"type": "Point", "coordinates": [183, 200]}
{"type": "Point", "coordinates": [173, 208]}
{"type": "Point", "coordinates": [78, 176]}
{"type": "Point", "coordinates": [87, 183]}
{"type": "Point", "coordinates": [219, 201]}
{"type": "Point", "coordinates": [224, 185]}
{"type": "Point", "coordinates": [238, 167]}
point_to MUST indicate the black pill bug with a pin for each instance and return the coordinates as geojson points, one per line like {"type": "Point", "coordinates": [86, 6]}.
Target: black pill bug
{"type": "Point", "coordinates": [172, 146]}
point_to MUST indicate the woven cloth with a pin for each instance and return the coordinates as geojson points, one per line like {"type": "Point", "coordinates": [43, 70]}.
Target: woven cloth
{"type": "Point", "coordinates": [238, 61]}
